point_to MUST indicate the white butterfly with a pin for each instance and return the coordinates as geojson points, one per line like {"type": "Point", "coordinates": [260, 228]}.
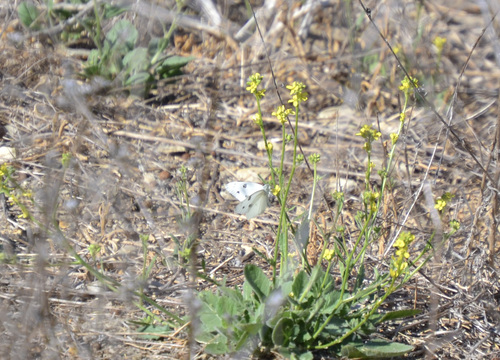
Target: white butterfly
{"type": "Point", "coordinates": [253, 197]}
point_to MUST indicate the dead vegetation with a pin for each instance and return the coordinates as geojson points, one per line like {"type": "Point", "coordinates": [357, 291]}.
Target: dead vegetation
{"type": "Point", "coordinates": [126, 153]}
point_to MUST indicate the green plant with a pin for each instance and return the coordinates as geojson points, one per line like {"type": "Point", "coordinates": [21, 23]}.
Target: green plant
{"type": "Point", "coordinates": [300, 312]}
{"type": "Point", "coordinates": [70, 13]}
{"type": "Point", "coordinates": [13, 191]}
{"type": "Point", "coordinates": [116, 54]}
{"type": "Point", "coordinates": [146, 269]}
{"type": "Point", "coordinates": [94, 249]}
{"type": "Point", "coordinates": [28, 14]}
{"type": "Point", "coordinates": [135, 66]}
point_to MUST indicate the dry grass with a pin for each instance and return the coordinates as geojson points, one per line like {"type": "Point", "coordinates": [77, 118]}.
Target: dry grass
{"type": "Point", "coordinates": [126, 156]}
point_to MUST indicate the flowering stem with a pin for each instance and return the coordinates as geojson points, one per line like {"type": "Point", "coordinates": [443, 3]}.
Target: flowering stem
{"type": "Point", "coordinates": [282, 203]}
{"type": "Point", "coordinates": [315, 181]}
{"type": "Point", "coordinates": [284, 244]}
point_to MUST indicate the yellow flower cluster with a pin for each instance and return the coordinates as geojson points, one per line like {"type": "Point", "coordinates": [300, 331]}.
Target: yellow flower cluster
{"type": "Point", "coordinates": [298, 93]}
{"type": "Point", "coordinates": [394, 138]}
{"type": "Point", "coordinates": [328, 255]}
{"type": "Point", "coordinates": [370, 135]}
{"type": "Point", "coordinates": [443, 201]}
{"type": "Point", "coordinates": [281, 113]}
{"type": "Point", "coordinates": [440, 204]}
{"type": "Point", "coordinates": [252, 84]}
{"type": "Point", "coordinates": [400, 261]}
{"type": "Point", "coordinates": [406, 85]}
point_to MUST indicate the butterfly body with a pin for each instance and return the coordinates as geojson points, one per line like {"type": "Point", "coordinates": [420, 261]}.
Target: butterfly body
{"type": "Point", "coordinates": [253, 197]}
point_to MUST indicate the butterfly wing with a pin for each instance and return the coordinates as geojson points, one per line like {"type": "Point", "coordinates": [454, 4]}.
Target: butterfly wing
{"type": "Point", "coordinates": [242, 190]}
{"type": "Point", "coordinates": [254, 204]}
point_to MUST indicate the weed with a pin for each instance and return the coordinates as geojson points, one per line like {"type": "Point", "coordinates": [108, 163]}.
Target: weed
{"type": "Point", "coordinates": [299, 312]}
{"type": "Point", "coordinates": [116, 55]}
{"type": "Point", "coordinates": [135, 66]}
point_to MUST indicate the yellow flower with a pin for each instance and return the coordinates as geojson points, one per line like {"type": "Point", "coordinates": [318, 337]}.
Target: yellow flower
{"type": "Point", "coordinates": [439, 43]}
{"type": "Point", "coordinates": [368, 133]}
{"type": "Point", "coordinates": [299, 98]}
{"type": "Point", "coordinates": [406, 84]}
{"type": "Point", "coordinates": [399, 243]}
{"type": "Point", "coordinates": [252, 84]}
{"type": "Point", "coordinates": [394, 138]}
{"type": "Point", "coordinates": [328, 256]}
{"type": "Point", "coordinates": [296, 88]}
{"type": "Point", "coordinates": [253, 81]}
{"type": "Point", "coordinates": [281, 113]}
{"type": "Point", "coordinates": [399, 263]}
{"type": "Point", "coordinates": [402, 253]}
{"type": "Point", "coordinates": [276, 190]}
{"type": "Point", "coordinates": [298, 93]}
{"type": "Point", "coordinates": [440, 204]}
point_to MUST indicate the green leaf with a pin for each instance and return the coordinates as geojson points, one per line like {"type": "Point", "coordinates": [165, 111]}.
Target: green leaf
{"type": "Point", "coordinates": [177, 61]}
{"type": "Point", "coordinates": [112, 11]}
{"type": "Point", "coordinates": [136, 60]}
{"type": "Point", "coordinates": [217, 310]}
{"type": "Point", "coordinates": [211, 321]}
{"type": "Point", "coordinates": [171, 66]}
{"type": "Point", "coordinates": [154, 329]}
{"type": "Point", "coordinates": [299, 284]}
{"type": "Point", "coordinates": [316, 281]}
{"type": "Point", "coordinates": [375, 349]}
{"type": "Point", "coordinates": [247, 292]}
{"type": "Point", "coordinates": [139, 78]}
{"type": "Point", "coordinates": [28, 13]}
{"type": "Point", "coordinates": [204, 337]}
{"type": "Point", "coordinates": [296, 354]}
{"type": "Point", "coordinates": [122, 37]}
{"type": "Point", "coordinates": [399, 314]}
{"type": "Point", "coordinates": [258, 281]}
{"type": "Point", "coordinates": [283, 332]}
{"type": "Point", "coordinates": [233, 294]}
{"type": "Point", "coordinates": [136, 64]}
{"type": "Point", "coordinates": [304, 356]}
{"type": "Point", "coordinates": [331, 300]}
{"type": "Point", "coordinates": [286, 288]}
{"type": "Point", "coordinates": [217, 346]}
{"type": "Point", "coordinates": [337, 327]}
{"type": "Point", "coordinates": [360, 278]}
